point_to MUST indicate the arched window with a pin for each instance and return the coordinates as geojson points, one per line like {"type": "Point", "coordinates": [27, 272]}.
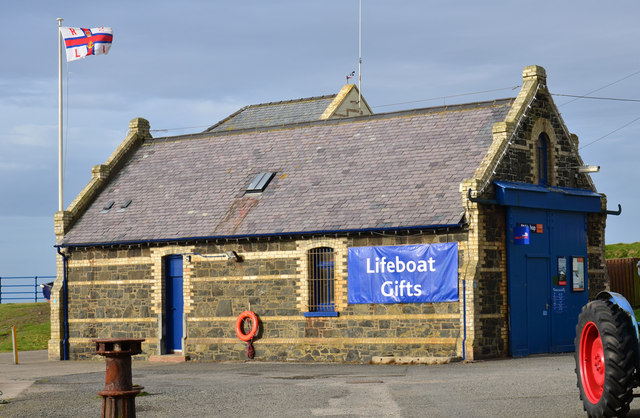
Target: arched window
{"type": "Point", "coordinates": [542, 155]}
{"type": "Point", "coordinates": [321, 275]}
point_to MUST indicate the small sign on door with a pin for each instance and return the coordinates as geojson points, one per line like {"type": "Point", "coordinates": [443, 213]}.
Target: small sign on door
{"type": "Point", "coordinates": [578, 273]}
{"type": "Point", "coordinates": [521, 235]}
{"type": "Point", "coordinates": [534, 228]}
{"type": "Point", "coordinates": [562, 271]}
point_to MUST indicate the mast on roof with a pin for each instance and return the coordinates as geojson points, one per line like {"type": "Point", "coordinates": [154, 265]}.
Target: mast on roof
{"type": "Point", "coordinates": [360, 58]}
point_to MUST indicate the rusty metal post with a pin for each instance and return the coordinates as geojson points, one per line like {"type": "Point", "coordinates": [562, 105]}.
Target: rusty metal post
{"type": "Point", "coordinates": [118, 396]}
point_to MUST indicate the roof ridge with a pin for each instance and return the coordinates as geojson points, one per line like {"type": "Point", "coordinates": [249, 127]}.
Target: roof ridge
{"type": "Point", "coordinates": [231, 116]}
{"type": "Point", "coordinates": [303, 99]}
{"type": "Point", "coordinates": [252, 106]}
{"type": "Point", "coordinates": [397, 113]}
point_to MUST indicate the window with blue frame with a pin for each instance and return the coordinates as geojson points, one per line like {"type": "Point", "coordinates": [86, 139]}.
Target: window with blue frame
{"type": "Point", "coordinates": [321, 282]}
{"type": "Point", "coordinates": [543, 153]}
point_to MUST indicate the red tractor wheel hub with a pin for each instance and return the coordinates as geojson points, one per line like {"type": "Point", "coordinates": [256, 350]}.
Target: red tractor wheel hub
{"type": "Point", "coordinates": [592, 362]}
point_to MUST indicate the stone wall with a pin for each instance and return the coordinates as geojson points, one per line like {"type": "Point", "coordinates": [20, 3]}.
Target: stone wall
{"type": "Point", "coordinates": [513, 157]}
{"type": "Point", "coordinates": [520, 165]}
{"type": "Point", "coordinates": [271, 281]}
{"type": "Point", "coordinates": [596, 265]}
{"type": "Point", "coordinates": [119, 293]}
{"type": "Point", "coordinates": [110, 294]}
{"type": "Point", "coordinates": [491, 287]}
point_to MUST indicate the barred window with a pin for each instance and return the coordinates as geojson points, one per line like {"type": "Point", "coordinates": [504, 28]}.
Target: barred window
{"type": "Point", "coordinates": [321, 277]}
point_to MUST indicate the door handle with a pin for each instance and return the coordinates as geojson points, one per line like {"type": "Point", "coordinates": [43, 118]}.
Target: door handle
{"type": "Point", "coordinates": [546, 307]}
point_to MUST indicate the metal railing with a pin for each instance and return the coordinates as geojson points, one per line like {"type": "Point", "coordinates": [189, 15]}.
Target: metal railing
{"type": "Point", "coordinates": [23, 289]}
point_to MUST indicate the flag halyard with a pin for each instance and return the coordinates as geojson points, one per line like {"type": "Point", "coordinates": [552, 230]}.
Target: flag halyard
{"type": "Point", "coordinates": [81, 42]}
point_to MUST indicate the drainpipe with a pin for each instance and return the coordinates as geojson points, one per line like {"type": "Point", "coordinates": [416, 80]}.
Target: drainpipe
{"type": "Point", "coordinates": [65, 293]}
{"type": "Point", "coordinates": [479, 200]}
{"type": "Point", "coordinates": [464, 319]}
{"type": "Point", "coordinates": [614, 212]}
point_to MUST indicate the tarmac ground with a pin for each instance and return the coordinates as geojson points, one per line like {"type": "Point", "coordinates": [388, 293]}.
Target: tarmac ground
{"type": "Point", "coordinates": [539, 386]}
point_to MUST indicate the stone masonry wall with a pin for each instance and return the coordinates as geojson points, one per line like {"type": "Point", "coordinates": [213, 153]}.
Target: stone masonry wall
{"type": "Point", "coordinates": [596, 265]}
{"type": "Point", "coordinates": [492, 287]}
{"type": "Point", "coordinates": [520, 165]}
{"type": "Point", "coordinates": [109, 296]}
{"type": "Point", "coordinates": [118, 293]}
{"type": "Point", "coordinates": [513, 157]}
{"type": "Point", "coordinates": [271, 281]}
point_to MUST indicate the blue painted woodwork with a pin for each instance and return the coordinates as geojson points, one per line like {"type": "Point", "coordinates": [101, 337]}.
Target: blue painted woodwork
{"type": "Point", "coordinates": [544, 308]}
{"type": "Point", "coordinates": [569, 238]}
{"type": "Point", "coordinates": [174, 303]}
{"type": "Point", "coordinates": [538, 292]}
{"type": "Point", "coordinates": [543, 312]}
{"type": "Point", "coordinates": [547, 197]}
{"type": "Point", "coordinates": [527, 269]}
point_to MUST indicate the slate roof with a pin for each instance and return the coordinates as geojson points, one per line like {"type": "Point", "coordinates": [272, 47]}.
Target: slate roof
{"type": "Point", "coordinates": [275, 114]}
{"type": "Point", "coordinates": [394, 170]}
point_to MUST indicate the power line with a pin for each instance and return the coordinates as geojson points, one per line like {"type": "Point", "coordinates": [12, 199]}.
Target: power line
{"type": "Point", "coordinates": [448, 97]}
{"type": "Point", "coordinates": [601, 88]}
{"type": "Point", "coordinates": [596, 98]}
{"type": "Point", "coordinates": [176, 129]}
{"type": "Point", "coordinates": [586, 96]}
{"type": "Point", "coordinates": [612, 132]}
{"type": "Point", "coordinates": [575, 97]}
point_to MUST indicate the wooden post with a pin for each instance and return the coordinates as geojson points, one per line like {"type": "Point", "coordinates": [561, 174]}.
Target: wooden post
{"type": "Point", "coordinates": [15, 344]}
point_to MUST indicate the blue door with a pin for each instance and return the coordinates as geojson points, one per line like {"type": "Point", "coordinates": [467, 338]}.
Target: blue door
{"type": "Point", "coordinates": [173, 303]}
{"type": "Point", "coordinates": [537, 288]}
{"type": "Point", "coordinates": [543, 303]}
{"type": "Point", "coordinates": [570, 233]}
{"type": "Point", "coordinates": [529, 282]}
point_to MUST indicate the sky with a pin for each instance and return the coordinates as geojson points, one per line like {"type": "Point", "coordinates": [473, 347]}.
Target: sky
{"type": "Point", "coordinates": [185, 66]}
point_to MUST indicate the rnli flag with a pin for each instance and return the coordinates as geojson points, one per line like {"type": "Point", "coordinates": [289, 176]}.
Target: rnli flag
{"type": "Point", "coordinates": [80, 42]}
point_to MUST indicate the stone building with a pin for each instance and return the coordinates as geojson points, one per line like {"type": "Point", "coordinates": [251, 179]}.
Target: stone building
{"type": "Point", "coordinates": [463, 231]}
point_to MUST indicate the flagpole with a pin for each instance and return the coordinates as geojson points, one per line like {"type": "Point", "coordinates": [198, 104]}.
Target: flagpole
{"type": "Point", "coordinates": [60, 182]}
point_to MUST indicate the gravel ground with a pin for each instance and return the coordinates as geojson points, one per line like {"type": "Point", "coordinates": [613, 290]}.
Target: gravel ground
{"type": "Point", "coordinates": [530, 387]}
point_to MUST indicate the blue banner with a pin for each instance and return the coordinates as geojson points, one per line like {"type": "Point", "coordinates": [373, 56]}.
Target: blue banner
{"type": "Point", "coordinates": [403, 274]}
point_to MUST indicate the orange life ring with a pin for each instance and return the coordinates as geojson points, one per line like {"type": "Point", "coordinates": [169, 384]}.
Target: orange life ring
{"type": "Point", "coordinates": [254, 326]}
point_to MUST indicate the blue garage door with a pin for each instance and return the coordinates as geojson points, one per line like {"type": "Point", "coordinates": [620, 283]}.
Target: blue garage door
{"type": "Point", "coordinates": [544, 296]}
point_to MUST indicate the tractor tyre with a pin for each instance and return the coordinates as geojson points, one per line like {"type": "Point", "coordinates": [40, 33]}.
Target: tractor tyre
{"type": "Point", "coordinates": [605, 359]}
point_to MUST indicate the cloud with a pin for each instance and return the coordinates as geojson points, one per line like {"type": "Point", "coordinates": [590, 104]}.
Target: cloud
{"type": "Point", "coordinates": [38, 240]}
{"type": "Point", "coordinates": [16, 167]}
{"type": "Point", "coordinates": [32, 135]}
{"type": "Point", "coordinates": [195, 115]}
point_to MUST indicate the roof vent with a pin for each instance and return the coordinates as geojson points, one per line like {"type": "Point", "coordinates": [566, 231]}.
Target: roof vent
{"type": "Point", "coordinates": [108, 206]}
{"type": "Point", "coordinates": [260, 182]}
{"type": "Point", "coordinates": [125, 205]}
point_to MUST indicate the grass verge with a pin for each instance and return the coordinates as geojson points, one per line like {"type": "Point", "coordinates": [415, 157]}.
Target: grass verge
{"type": "Point", "coordinates": [622, 250]}
{"type": "Point", "coordinates": [33, 327]}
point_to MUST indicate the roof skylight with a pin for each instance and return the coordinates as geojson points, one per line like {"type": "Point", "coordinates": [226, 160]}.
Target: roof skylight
{"type": "Point", "coordinates": [260, 182]}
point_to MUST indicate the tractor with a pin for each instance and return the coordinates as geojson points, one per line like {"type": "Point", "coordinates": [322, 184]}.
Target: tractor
{"type": "Point", "coordinates": [607, 355]}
